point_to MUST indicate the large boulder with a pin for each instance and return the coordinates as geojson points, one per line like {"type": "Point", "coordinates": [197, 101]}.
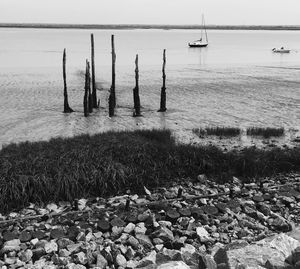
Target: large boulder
{"type": "Point", "coordinates": [174, 265]}
{"type": "Point", "coordinates": [267, 253]}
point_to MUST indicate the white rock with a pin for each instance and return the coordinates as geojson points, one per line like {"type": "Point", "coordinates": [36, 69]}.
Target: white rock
{"type": "Point", "coordinates": [140, 228]}
{"type": "Point", "coordinates": [173, 265]}
{"type": "Point", "coordinates": [129, 228]}
{"type": "Point", "coordinates": [121, 261]}
{"type": "Point", "coordinates": [34, 241]}
{"type": "Point", "coordinates": [202, 234]}
{"type": "Point", "coordinates": [12, 245]}
{"type": "Point", "coordinates": [98, 235]}
{"type": "Point", "coordinates": [164, 223]}
{"type": "Point", "coordinates": [51, 247]}
{"type": "Point", "coordinates": [159, 247]}
{"type": "Point", "coordinates": [82, 204]}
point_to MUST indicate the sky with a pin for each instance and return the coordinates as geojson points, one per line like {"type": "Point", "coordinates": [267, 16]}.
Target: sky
{"type": "Point", "coordinates": [223, 12]}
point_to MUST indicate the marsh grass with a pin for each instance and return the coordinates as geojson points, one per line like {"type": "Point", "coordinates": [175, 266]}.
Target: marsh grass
{"type": "Point", "coordinates": [110, 163]}
{"type": "Point", "coordinates": [265, 132]}
{"type": "Point", "coordinates": [218, 131]}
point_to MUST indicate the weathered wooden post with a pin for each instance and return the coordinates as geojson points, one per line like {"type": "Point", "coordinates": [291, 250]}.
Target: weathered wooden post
{"type": "Point", "coordinates": [111, 109]}
{"type": "Point", "coordinates": [113, 84]}
{"type": "Point", "coordinates": [163, 88]}
{"type": "Point", "coordinates": [90, 97]}
{"type": "Point", "coordinates": [94, 90]}
{"type": "Point", "coordinates": [86, 91]}
{"type": "Point", "coordinates": [67, 108]}
{"type": "Point", "coordinates": [136, 96]}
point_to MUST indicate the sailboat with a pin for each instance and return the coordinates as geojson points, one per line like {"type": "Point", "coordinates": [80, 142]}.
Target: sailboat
{"type": "Point", "coordinates": [200, 42]}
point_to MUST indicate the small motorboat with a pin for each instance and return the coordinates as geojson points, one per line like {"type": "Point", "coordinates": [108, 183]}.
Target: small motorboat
{"type": "Point", "coordinates": [281, 50]}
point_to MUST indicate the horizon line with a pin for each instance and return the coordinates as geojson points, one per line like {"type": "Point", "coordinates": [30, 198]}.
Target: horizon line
{"type": "Point", "coordinates": [149, 26]}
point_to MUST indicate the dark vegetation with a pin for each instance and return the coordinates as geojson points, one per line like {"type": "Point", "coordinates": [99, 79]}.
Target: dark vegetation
{"type": "Point", "coordinates": [218, 131]}
{"type": "Point", "coordinates": [110, 163]}
{"type": "Point", "coordinates": [265, 132]}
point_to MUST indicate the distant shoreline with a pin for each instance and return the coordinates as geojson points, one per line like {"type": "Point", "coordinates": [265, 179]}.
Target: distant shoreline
{"type": "Point", "coordinates": [149, 26]}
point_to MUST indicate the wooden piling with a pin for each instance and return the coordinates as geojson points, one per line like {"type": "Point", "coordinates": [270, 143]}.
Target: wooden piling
{"type": "Point", "coordinates": [90, 97]}
{"type": "Point", "coordinates": [94, 90]}
{"type": "Point", "coordinates": [113, 83]}
{"type": "Point", "coordinates": [136, 95]}
{"type": "Point", "coordinates": [111, 109]}
{"type": "Point", "coordinates": [163, 88]}
{"type": "Point", "coordinates": [86, 91]}
{"type": "Point", "coordinates": [67, 108]}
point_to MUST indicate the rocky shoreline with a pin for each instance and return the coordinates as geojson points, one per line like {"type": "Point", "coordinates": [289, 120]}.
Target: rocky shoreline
{"type": "Point", "coordinates": [192, 224]}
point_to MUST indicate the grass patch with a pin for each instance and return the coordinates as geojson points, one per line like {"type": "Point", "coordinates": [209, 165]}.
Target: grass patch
{"type": "Point", "coordinates": [109, 163]}
{"type": "Point", "coordinates": [265, 132]}
{"type": "Point", "coordinates": [218, 131]}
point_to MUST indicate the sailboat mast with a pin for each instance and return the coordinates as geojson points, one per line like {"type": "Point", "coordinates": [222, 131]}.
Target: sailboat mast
{"type": "Point", "coordinates": [201, 29]}
{"type": "Point", "coordinates": [205, 29]}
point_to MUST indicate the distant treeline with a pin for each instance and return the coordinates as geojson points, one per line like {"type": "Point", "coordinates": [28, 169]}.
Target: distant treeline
{"type": "Point", "coordinates": [149, 26]}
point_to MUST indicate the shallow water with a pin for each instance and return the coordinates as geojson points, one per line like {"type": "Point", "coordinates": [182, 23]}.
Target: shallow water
{"type": "Point", "coordinates": [236, 81]}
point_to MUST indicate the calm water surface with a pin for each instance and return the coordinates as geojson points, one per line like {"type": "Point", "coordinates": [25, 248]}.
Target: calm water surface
{"type": "Point", "coordinates": [235, 81]}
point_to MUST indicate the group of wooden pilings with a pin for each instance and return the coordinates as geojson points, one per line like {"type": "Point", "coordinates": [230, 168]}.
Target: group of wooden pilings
{"type": "Point", "coordinates": [90, 91]}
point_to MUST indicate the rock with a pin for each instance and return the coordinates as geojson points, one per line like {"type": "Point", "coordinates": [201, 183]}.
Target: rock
{"type": "Point", "coordinates": [272, 251]}
{"type": "Point", "coordinates": [25, 236]}
{"type": "Point", "coordinates": [74, 248]}
{"type": "Point", "coordinates": [210, 210]}
{"type": "Point", "coordinates": [121, 260]}
{"type": "Point", "coordinates": [258, 198]}
{"type": "Point", "coordinates": [129, 228]}
{"type": "Point", "coordinates": [185, 212]}
{"type": "Point", "coordinates": [11, 245]}
{"type": "Point", "coordinates": [189, 255]}
{"type": "Point", "coordinates": [117, 222]}
{"type": "Point", "coordinates": [132, 241]}
{"type": "Point", "coordinates": [129, 254]}
{"type": "Point", "coordinates": [116, 231]}
{"type": "Point", "coordinates": [172, 215]}
{"type": "Point", "coordinates": [64, 242]}
{"type": "Point", "coordinates": [144, 240]}
{"type": "Point", "coordinates": [202, 234]}
{"type": "Point", "coordinates": [140, 228]}
{"type": "Point", "coordinates": [103, 225]}
{"type": "Point", "coordinates": [51, 247]}
{"type": "Point", "coordinates": [57, 233]}
{"type": "Point", "coordinates": [64, 253]}
{"type": "Point", "coordinates": [296, 255]}
{"type": "Point", "coordinates": [150, 259]}
{"type": "Point", "coordinates": [164, 234]}
{"type": "Point", "coordinates": [281, 224]}
{"type": "Point", "coordinates": [34, 241]}
{"type": "Point", "coordinates": [81, 236]}
{"type": "Point", "coordinates": [174, 265]}
{"type": "Point", "coordinates": [101, 262]}
{"type": "Point", "coordinates": [25, 256]}
{"type": "Point", "coordinates": [206, 262]}
{"type": "Point", "coordinates": [159, 247]}
{"type": "Point", "coordinates": [80, 258]}
{"type": "Point", "coordinates": [39, 234]}
{"type": "Point", "coordinates": [222, 207]}
{"type": "Point", "coordinates": [75, 266]}
{"type": "Point", "coordinates": [38, 253]}
{"type": "Point", "coordinates": [9, 236]}
{"type": "Point", "coordinates": [73, 232]}
{"type": "Point", "coordinates": [132, 217]}
{"type": "Point", "coordinates": [168, 255]}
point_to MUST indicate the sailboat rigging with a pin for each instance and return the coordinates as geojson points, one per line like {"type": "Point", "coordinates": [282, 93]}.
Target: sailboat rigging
{"type": "Point", "coordinates": [201, 42]}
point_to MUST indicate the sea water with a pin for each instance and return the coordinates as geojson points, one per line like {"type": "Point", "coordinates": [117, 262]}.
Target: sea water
{"type": "Point", "coordinates": [236, 81]}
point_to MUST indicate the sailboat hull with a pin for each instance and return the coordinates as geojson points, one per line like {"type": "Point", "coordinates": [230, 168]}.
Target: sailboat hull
{"type": "Point", "coordinates": [191, 45]}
